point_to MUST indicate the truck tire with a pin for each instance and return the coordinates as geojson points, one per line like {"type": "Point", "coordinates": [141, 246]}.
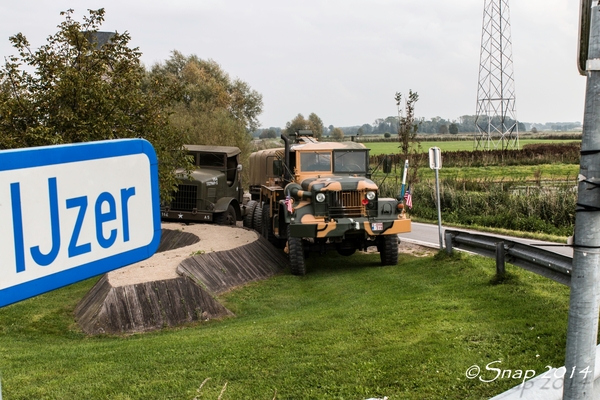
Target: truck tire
{"type": "Point", "coordinates": [296, 253]}
{"type": "Point", "coordinates": [346, 252]}
{"type": "Point", "coordinates": [226, 218]}
{"type": "Point", "coordinates": [249, 216]}
{"type": "Point", "coordinates": [388, 249]}
{"type": "Point", "coordinates": [267, 227]}
{"type": "Point", "coordinates": [257, 218]}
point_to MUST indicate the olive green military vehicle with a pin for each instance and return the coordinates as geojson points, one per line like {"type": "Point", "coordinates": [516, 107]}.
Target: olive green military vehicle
{"type": "Point", "coordinates": [314, 197]}
{"type": "Point", "coordinates": [212, 192]}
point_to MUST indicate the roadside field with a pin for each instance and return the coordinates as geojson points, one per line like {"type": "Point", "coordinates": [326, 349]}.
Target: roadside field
{"type": "Point", "coordinates": [529, 173]}
{"type": "Point", "coordinates": [349, 329]}
{"type": "Point", "coordinates": [460, 145]}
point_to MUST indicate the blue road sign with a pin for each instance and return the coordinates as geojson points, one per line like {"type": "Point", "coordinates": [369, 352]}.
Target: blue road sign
{"type": "Point", "coordinates": [71, 212]}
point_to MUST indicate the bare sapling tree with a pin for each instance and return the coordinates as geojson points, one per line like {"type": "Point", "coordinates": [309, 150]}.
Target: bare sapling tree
{"type": "Point", "coordinates": [408, 126]}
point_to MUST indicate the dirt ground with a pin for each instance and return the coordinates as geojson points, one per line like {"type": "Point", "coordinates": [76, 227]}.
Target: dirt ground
{"type": "Point", "coordinates": [163, 265]}
{"type": "Point", "coordinates": [415, 249]}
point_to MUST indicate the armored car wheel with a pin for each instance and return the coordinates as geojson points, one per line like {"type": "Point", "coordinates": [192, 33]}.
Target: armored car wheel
{"type": "Point", "coordinates": [249, 216]}
{"type": "Point", "coordinates": [296, 253]}
{"type": "Point", "coordinates": [226, 218]}
{"type": "Point", "coordinates": [388, 249]}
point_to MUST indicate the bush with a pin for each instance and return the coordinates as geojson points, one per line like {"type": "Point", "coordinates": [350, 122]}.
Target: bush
{"type": "Point", "coordinates": [506, 204]}
{"type": "Point", "coordinates": [531, 154]}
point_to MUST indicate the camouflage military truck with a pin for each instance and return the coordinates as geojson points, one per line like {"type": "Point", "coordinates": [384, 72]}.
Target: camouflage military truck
{"type": "Point", "coordinates": [313, 197]}
{"type": "Point", "coordinates": [213, 191]}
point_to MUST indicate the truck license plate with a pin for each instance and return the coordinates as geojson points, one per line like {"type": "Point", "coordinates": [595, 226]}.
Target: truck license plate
{"type": "Point", "coordinates": [377, 226]}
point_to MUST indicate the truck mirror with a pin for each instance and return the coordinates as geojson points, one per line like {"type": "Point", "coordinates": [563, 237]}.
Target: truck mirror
{"type": "Point", "coordinates": [277, 167]}
{"type": "Point", "coordinates": [387, 165]}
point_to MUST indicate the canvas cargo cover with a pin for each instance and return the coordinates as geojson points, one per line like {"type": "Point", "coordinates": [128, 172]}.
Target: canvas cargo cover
{"type": "Point", "coordinates": [261, 165]}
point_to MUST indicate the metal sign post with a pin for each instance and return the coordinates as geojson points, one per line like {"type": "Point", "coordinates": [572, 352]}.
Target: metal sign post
{"type": "Point", "coordinates": [435, 163]}
{"type": "Point", "coordinates": [582, 329]}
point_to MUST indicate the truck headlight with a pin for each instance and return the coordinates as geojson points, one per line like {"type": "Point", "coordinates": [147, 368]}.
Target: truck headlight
{"type": "Point", "coordinates": [320, 197]}
{"type": "Point", "coordinates": [371, 196]}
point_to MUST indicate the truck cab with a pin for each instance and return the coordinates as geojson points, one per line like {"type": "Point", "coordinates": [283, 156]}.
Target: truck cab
{"type": "Point", "coordinates": [212, 192]}
{"type": "Point", "coordinates": [316, 196]}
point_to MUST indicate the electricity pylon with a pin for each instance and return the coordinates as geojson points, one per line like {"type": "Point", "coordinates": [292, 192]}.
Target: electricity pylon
{"type": "Point", "coordinates": [496, 117]}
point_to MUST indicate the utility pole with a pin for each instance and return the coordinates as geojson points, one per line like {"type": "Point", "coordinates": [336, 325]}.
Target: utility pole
{"type": "Point", "coordinates": [582, 330]}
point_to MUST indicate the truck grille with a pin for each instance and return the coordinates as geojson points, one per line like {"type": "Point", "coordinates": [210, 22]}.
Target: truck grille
{"type": "Point", "coordinates": [346, 204]}
{"type": "Point", "coordinates": [185, 198]}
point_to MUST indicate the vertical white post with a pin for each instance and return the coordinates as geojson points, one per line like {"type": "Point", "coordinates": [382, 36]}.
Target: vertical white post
{"type": "Point", "coordinates": [435, 163]}
{"type": "Point", "coordinates": [439, 209]}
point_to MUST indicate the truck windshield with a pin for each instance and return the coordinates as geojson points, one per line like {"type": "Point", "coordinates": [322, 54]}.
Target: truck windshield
{"type": "Point", "coordinates": [350, 161]}
{"type": "Point", "coordinates": [214, 160]}
{"type": "Point", "coordinates": [315, 161]}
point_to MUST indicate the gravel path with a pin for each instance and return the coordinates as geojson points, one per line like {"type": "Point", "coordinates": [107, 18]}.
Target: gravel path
{"type": "Point", "coordinates": [163, 265]}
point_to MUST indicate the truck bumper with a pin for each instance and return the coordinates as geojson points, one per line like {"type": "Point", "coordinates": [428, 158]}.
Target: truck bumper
{"type": "Point", "coordinates": [344, 226]}
{"type": "Point", "coordinates": [185, 216]}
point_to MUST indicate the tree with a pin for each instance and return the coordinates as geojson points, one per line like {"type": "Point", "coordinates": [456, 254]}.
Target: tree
{"type": "Point", "coordinates": [367, 128]}
{"type": "Point", "coordinates": [74, 89]}
{"type": "Point", "coordinates": [316, 125]}
{"type": "Point", "coordinates": [443, 129]}
{"type": "Point", "coordinates": [407, 128]}
{"type": "Point", "coordinates": [296, 124]}
{"type": "Point", "coordinates": [387, 135]}
{"type": "Point", "coordinates": [211, 108]}
{"type": "Point", "coordinates": [453, 129]}
{"type": "Point", "coordinates": [268, 134]}
{"type": "Point", "coordinates": [407, 132]}
{"type": "Point", "coordinates": [337, 134]}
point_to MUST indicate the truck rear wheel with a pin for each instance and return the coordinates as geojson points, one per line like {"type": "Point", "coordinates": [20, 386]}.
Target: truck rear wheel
{"type": "Point", "coordinates": [267, 227]}
{"type": "Point", "coordinates": [249, 216]}
{"type": "Point", "coordinates": [296, 253]}
{"type": "Point", "coordinates": [226, 218]}
{"type": "Point", "coordinates": [257, 218]}
{"type": "Point", "coordinates": [388, 249]}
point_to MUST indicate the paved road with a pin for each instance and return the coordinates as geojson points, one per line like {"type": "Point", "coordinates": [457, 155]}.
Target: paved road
{"type": "Point", "coordinates": [428, 235]}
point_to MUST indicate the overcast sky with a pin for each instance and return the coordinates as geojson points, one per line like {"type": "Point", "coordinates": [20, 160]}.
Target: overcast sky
{"type": "Point", "coordinates": [343, 59]}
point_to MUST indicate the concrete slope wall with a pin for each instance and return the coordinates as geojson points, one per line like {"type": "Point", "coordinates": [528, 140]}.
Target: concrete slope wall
{"type": "Point", "coordinates": [147, 306]}
{"type": "Point", "coordinates": [221, 271]}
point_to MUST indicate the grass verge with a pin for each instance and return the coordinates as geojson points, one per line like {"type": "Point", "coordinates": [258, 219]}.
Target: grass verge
{"type": "Point", "coordinates": [350, 329]}
{"type": "Point", "coordinates": [506, 232]}
{"type": "Point", "coordinates": [459, 145]}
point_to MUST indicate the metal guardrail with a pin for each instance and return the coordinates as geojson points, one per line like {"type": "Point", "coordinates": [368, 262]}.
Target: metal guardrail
{"type": "Point", "coordinates": [542, 262]}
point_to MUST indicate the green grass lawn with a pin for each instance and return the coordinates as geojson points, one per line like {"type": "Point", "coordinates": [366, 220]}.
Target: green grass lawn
{"type": "Point", "coordinates": [512, 172]}
{"type": "Point", "coordinates": [349, 329]}
{"type": "Point", "coordinates": [392, 147]}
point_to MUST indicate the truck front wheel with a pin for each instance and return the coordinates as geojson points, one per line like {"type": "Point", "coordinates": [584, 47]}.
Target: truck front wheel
{"type": "Point", "coordinates": [388, 249]}
{"type": "Point", "coordinates": [296, 253]}
{"type": "Point", "coordinates": [226, 218]}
